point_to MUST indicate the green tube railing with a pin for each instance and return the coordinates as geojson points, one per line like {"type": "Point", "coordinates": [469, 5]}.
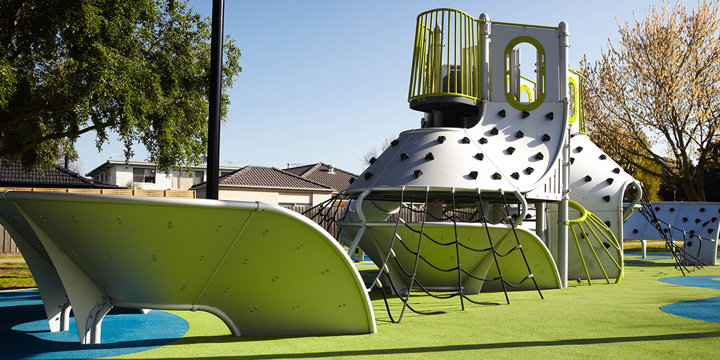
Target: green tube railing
{"type": "Point", "coordinates": [589, 223]}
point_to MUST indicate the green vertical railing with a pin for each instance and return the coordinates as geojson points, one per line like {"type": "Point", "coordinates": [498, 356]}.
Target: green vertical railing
{"type": "Point", "coordinates": [446, 55]}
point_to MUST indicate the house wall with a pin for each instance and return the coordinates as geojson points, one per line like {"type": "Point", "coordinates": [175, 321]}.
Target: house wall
{"type": "Point", "coordinates": [181, 179]}
{"type": "Point", "coordinates": [123, 176]}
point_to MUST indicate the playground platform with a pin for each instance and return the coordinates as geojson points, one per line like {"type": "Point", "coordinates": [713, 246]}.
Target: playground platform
{"type": "Point", "coordinates": [637, 322]}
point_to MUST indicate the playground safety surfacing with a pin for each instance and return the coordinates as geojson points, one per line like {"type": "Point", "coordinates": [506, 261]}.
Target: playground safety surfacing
{"type": "Point", "coordinates": [652, 313]}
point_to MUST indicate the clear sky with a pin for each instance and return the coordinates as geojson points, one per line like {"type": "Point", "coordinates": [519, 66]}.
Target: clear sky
{"type": "Point", "coordinates": [325, 81]}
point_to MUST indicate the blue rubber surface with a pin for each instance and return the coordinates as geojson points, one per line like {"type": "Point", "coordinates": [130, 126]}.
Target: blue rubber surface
{"type": "Point", "coordinates": [25, 332]}
{"type": "Point", "coordinates": [703, 309]}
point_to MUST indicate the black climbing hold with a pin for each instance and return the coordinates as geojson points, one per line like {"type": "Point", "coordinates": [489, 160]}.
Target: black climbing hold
{"type": "Point", "coordinates": [690, 242]}
{"type": "Point", "coordinates": [525, 114]}
{"type": "Point", "coordinates": [549, 116]}
{"type": "Point", "coordinates": [610, 180]}
{"type": "Point", "coordinates": [418, 173]}
{"type": "Point", "coordinates": [588, 178]}
{"type": "Point", "coordinates": [603, 156]}
{"type": "Point", "coordinates": [515, 175]}
{"type": "Point", "coordinates": [572, 160]}
{"type": "Point", "coordinates": [657, 208]}
{"type": "Point", "coordinates": [713, 219]}
{"type": "Point", "coordinates": [606, 198]}
{"type": "Point", "coordinates": [692, 231]}
{"type": "Point", "coordinates": [635, 231]}
{"type": "Point", "coordinates": [520, 134]}
{"type": "Point", "coordinates": [607, 223]}
{"type": "Point", "coordinates": [394, 143]}
{"type": "Point", "coordinates": [546, 137]}
{"type": "Point", "coordinates": [482, 141]}
{"type": "Point", "coordinates": [429, 156]}
{"type": "Point", "coordinates": [705, 224]}
{"type": "Point", "coordinates": [529, 170]}
{"type": "Point", "coordinates": [616, 170]}
{"type": "Point", "coordinates": [702, 209]}
{"type": "Point", "coordinates": [539, 156]}
{"type": "Point", "coordinates": [480, 156]}
{"type": "Point", "coordinates": [404, 156]}
{"type": "Point", "coordinates": [372, 160]}
{"type": "Point", "coordinates": [441, 139]}
{"type": "Point", "coordinates": [579, 149]}
{"type": "Point", "coordinates": [510, 150]}
{"type": "Point", "coordinates": [497, 176]}
{"type": "Point", "coordinates": [697, 221]}
{"type": "Point", "coordinates": [666, 230]}
{"type": "Point", "coordinates": [607, 245]}
{"type": "Point", "coordinates": [466, 140]}
{"type": "Point", "coordinates": [710, 231]}
{"type": "Point", "coordinates": [352, 180]}
{"type": "Point", "coordinates": [367, 175]}
{"type": "Point", "coordinates": [474, 174]}
{"type": "Point", "coordinates": [501, 113]}
{"type": "Point", "coordinates": [528, 216]}
{"type": "Point", "coordinates": [685, 219]}
{"type": "Point", "coordinates": [494, 131]}
{"type": "Point", "coordinates": [672, 209]}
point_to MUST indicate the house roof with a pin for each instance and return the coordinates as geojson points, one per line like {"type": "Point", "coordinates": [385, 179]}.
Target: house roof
{"type": "Point", "coordinates": [260, 176]}
{"type": "Point", "coordinates": [12, 175]}
{"type": "Point", "coordinates": [113, 162]}
{"type": "Point", "coordinates": [336, 178]}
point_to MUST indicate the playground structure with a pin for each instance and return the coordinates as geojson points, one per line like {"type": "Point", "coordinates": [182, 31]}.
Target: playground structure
{"type": "Point", "coordinates": [505, 190]}
{"type": "Point", "coordinates": [263, 270]}
{"type": "Point", "coordinates": [503, 178]}
{"type": "Point", "coordinates": [694, 223]}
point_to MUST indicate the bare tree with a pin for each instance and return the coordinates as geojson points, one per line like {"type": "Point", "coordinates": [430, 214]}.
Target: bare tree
{"type": "Point", "coordinates": [373, 153]}
{"type": "Point", "coordinates": [654, 100]}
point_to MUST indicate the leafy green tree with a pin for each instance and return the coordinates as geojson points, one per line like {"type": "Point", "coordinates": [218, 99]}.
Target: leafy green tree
{"type": "Point", "coordinates": [139, 68]}
{"type": "Point", "coordinates": [654, 100]}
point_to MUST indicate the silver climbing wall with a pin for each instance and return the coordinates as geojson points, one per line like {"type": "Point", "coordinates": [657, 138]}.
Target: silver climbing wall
{"type": "Point", "coordinates": [695, 223]}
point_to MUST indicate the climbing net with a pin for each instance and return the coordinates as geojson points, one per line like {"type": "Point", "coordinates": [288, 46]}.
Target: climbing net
{"type": "Point", "coordinates": [427, 243]}
{"type": "Point", "coordinates": [681, 257]}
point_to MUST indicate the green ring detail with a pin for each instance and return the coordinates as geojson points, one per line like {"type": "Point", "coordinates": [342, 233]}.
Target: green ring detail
{"type": "Point", "coordinates": [540, 90]}
{"type": "Point", "coordinates": [576, 97]}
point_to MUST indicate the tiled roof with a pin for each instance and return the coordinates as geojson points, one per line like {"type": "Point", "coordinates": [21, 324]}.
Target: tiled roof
{"type": "Point", "coordinates": [14, 175]}
{"type": "Point", "coordinates": [261, 176]}
{"type": "Point", "coordinates": [338, 179]}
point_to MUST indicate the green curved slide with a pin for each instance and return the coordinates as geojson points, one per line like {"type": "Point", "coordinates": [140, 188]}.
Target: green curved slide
{"type": "Point", "coordinates": [264, 270]}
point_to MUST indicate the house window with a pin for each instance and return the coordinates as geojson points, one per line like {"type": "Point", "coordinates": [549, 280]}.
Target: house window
{"type": "Point", "coordinates": [198, 177]}
{"type": "Point", "coordinates": [143, 175]}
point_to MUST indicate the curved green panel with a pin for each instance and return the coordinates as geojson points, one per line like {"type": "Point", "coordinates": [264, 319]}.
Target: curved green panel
{"type": "Point", "coordinates": [264, 270]}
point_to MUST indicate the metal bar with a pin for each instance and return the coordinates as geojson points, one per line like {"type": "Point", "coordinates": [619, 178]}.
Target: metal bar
{"type": "Point", "coordinates": [216, 53]}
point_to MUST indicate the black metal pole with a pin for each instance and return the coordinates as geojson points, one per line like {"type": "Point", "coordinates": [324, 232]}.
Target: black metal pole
{"type": "Point", "coordinates": [216, 55]}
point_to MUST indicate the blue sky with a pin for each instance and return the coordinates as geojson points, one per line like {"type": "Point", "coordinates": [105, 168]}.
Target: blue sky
{"type": "Point", "coordinates": [325, 81]}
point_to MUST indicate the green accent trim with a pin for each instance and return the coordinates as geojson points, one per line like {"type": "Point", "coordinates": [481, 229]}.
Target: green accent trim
{"type": "Point", "coordinates": [529, 91]}
{"type": "Point", "coordinates": [576, 100]}
{"type": "Point", "coordinates": [539, 87]}
{"type": "Point", "coordinates": [580, 102]}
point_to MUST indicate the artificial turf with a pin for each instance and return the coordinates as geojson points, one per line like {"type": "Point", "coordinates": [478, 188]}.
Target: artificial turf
{"type": "Point", "coordinates": [600, 321]}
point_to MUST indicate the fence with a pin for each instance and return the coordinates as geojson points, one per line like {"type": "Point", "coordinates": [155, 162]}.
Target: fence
{"type": "Point", "coordinates": [7, 245]}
